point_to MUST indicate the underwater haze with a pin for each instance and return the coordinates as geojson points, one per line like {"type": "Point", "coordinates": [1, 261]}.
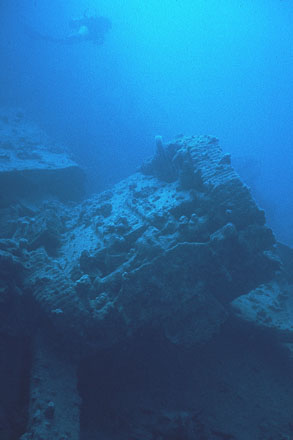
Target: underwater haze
{"type": "Point", "coordinates": [146, 220]}
{"type": "Point", "coordinates": [220, 67]}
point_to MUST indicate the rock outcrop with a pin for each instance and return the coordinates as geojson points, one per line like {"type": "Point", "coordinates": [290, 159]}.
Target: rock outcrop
{"type": "Point", "coordinates": [31, 166]}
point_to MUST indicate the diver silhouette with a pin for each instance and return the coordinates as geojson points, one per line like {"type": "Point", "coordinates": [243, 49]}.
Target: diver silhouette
{"type": "Point", "coordinates": [87, 28]}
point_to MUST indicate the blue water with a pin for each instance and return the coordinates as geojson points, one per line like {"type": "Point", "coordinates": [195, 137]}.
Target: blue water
{"type": "Point", "coordinates": [221, 67]}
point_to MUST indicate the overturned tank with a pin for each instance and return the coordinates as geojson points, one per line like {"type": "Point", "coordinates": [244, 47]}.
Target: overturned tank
{"type": "Point", "coordinates": [163, 256]}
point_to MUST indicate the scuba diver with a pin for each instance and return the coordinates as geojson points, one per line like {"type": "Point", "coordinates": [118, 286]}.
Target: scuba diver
{"type": "Point", "coordinates": [87, 28]}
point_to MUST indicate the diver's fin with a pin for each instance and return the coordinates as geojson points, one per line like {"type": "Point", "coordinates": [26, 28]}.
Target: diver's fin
{"type": "Point", "coordinates": [36, 35]}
